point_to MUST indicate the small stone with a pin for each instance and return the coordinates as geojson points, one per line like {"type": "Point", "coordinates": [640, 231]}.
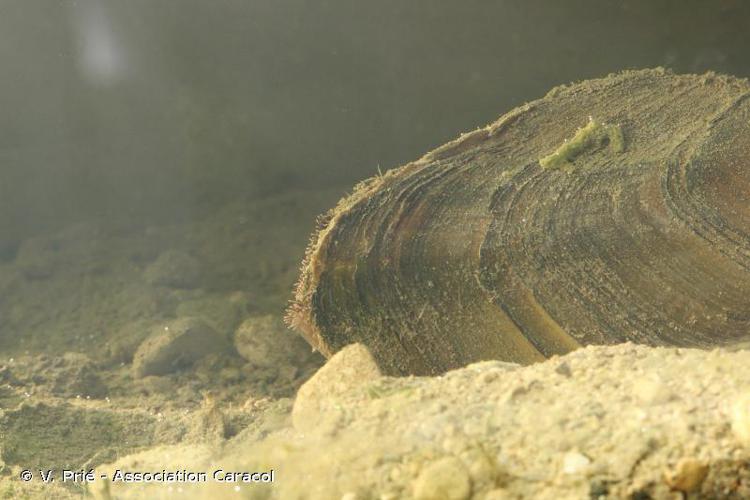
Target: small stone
{"type": "Point", "coordinates": [154, 384]}
{"type": "Point", "coordinates": [563, 369]}
{"type": "Point", "coordinates": [482, 470]}
{"type": "Point", "coordinates": [174, 269]}
{"type": "Point", "coordinates": [265, 342]}
{"type": "Point", "coordinates": [498, 494]}
{"type": "Point", "coordinates": [122, 346]}
{"type": "Point", "coordinates": [8, 250]}
{"type": "Point", "coordinates": [687, 476]}
{"type": "Point", "coordinates": [514, 394]}
{"type": "Point", "coordinates": [217, 309]}
{"type": "Point", "coordinates": [454, 443]}
{"type": "Point", "coordinates": [176, 345]}
{"type": "Point", "coordinates": [70, 375]}
{"type": "Point", "coordinates": [38, 258]}
{"type": "Point", "coordinates": [492, 365]}
{"type": "Point", "coordinates": [488, 377]}
{"type": "Point", "coordinates": [353, 366]}
{"type": "Point", "coordinates": [741, 419]}
{"type": "Point", "coordinates": [575, 463]}
{"type": "Point", "coordinates": [444, 479]}
{"type": "Point", "coordinates": [598, 488]}
{"type": "Point", "coordinates": [652, 391]}
{"type": "Point", "coordinates": [209, 423]}
{"type": "Point", "coordinates": [230, 375]}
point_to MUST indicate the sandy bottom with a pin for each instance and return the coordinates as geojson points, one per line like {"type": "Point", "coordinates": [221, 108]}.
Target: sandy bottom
{"type": "Point", "coordinates": [149, 348]}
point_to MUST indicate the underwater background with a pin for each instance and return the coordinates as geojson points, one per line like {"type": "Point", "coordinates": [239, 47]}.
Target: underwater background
{"type": "Point", "coordinates": [162, 165]}
{"type": "Point", "coordinates": [161, 109]}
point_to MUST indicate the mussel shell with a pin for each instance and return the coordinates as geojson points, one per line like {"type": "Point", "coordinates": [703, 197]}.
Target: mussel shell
{"type": "Point", "coordinates": [476, 251]}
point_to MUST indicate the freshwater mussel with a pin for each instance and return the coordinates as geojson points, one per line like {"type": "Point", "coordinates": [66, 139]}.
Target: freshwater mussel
{"type": "Point", "coordinates": [608, 211]}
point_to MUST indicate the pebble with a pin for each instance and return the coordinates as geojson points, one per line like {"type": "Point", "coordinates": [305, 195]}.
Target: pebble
{"type": "Point", "coordinates": [514, 394]}
{"type": "Point", "coordinates": [38, 258]}
{"type": "Point", "coordinates": [265, 342]}
{"type": "Point", "coordinates": [123, 345]}
{"type": "Point", "coordinates": [652, 391]}
{"type": "Point", "coordinates": [487, 377]}
{"type": "Point", "coordinates": [563, 369]}
{"type": "Point", "coordinates": [741, 418]}
{"type": "Point", "coordinates": [575, 463]}
{"type": "Point", "coordinates": [498, 494]}
{"type": "Point", "coordinates": [175, 269]}
{"type": "Point", "coordinates": [351, 367]}
{"type": "Point", "coordinates": [72, 374]}
{"type": "Point", "coordinates": [154, 384]}
{"type": "Point", "coordinates": [481, 469]}
{"type": "Point", "coordinates": [216, 308]}
{"type": "Point", "coordinates": [444, 479]}
{"type": "Point", "coordinates": [175, 345]}
{"type": "Point", "coordinates": [687, 476]}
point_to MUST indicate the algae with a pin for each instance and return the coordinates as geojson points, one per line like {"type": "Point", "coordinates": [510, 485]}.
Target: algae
{"type": "Point", "coordinates": [592, 135]}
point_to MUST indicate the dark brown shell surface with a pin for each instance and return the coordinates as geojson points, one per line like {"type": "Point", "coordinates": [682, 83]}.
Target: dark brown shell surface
{"type": "Point", "coordinates": [637, 228]}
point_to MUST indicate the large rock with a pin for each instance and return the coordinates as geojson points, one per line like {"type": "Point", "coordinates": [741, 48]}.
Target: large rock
{"type": "Point", "coordinates": [569, 428]}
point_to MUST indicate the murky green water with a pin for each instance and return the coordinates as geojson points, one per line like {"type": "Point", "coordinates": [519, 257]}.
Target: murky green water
{"type": "Point", "coordinates": [162, 108]}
